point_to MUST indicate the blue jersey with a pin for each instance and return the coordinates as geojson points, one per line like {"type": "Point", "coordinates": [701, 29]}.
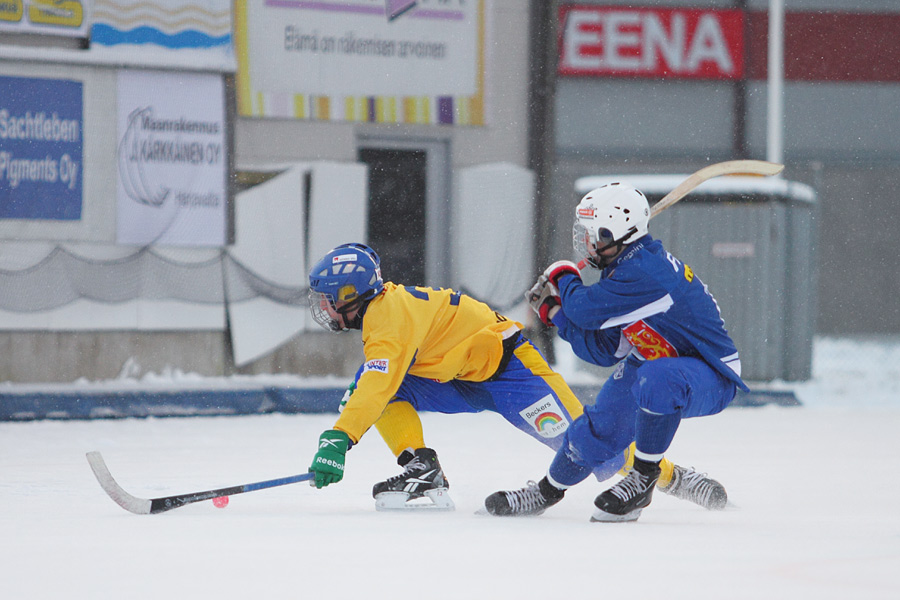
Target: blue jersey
{"type": "Point", "coordinates": [649, 305]}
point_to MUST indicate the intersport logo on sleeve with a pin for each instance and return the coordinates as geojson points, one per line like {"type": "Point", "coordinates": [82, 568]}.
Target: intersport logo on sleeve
{"type": "Point", "coordinates": [379, 365]}
{"type": "Point", "coordinates": [618, 41]}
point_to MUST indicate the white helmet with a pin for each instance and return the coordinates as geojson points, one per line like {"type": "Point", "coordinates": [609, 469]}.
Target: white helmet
{"type": "Point", "coordinates": [615, 214]}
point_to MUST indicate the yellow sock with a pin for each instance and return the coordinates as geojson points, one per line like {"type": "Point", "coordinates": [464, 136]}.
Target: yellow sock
{"type": "Point", "coordinates": [665, 465]}
{"type": "Point", "coordinates": [666, 469]}
{"type": "Point", "coordinates": [400, 427]}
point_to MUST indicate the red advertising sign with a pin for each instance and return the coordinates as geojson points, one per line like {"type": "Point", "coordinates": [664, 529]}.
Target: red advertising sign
{"type": "Point", "coordinates": [681, 43]}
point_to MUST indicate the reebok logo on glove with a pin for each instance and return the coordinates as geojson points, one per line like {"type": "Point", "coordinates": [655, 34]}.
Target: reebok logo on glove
{"type": "Point", "coordinates": [331, 463]}
{"type": "Point", "coordinates": [327, 443]}
{"type": "Point", "coordinates": [328, 463]}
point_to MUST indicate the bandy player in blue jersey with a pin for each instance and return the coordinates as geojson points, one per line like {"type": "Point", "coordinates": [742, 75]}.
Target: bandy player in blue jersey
{"type": "Point", "coordinates": [653, 318]}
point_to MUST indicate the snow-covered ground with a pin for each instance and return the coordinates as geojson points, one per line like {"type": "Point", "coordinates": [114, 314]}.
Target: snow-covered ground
{"type": "Point", "coordinates": [816, 512]}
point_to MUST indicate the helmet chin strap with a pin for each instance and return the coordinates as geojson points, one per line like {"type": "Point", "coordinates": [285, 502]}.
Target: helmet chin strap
{"type": "Point", "coordinates": [356, 322]}
{"type": "Point", "coordinates": [601, 262]}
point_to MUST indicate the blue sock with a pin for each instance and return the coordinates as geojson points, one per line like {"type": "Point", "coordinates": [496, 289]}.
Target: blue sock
{"type": "Point", "coordinates": [564, 471]}
{"type": "Point", "coordinates": [654, 433]}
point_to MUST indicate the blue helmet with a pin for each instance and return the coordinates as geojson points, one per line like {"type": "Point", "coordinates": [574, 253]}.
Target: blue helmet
{"type": "Point", "coordinates": [341, 284]}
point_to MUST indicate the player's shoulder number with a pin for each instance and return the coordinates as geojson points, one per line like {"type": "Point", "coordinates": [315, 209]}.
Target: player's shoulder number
{"type": "Point", "coordinates": [421, 293]}
{"type": "Point", "coordinates": [679, 266]}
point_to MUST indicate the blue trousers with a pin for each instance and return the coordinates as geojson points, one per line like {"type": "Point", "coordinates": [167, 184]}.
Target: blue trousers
{"type": "Point", "coordinates": [528, 394]}
{"type": "Point", "coordinates": [677, 387]}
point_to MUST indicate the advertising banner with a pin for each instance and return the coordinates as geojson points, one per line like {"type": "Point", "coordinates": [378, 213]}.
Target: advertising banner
{"type": "Point", "coordinates": [362, 60]}
{"type": "Point", "coordinates": [41, 142]}
{"type": "Point", "coordinates": [170, 24]}
{"type": "Point", "coordinates": [677, 43]}
{"type": "Point", "coordinates": [69, 18]}
{"type": "Point", "coordinates": [172, 161]}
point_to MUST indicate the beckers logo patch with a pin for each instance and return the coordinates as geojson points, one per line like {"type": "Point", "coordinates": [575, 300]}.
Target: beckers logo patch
{"type": "Point", "coordinates": [380, 365]}
{"type": "Point", "coordinates": [546, 416]}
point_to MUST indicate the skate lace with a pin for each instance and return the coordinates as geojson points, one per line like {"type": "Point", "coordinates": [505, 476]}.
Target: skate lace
{"type": "Point", "coordinates": [527, 499]}
{"type": "Point", "coordinates": [629, 487]}
{"type": "Point", "coordinates": [415, 465]}
{"type": "Point", "coordinates": [695, 486]}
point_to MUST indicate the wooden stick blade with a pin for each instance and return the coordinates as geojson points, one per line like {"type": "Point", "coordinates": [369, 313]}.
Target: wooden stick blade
{"type": "Point", "coordinates": [138, 506]}
{"type": "Point", "coordinates": [731, 167]}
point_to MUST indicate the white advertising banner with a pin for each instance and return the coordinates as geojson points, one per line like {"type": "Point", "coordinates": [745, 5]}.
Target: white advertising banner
{"type": "Point", "coordinates": [362, 60]}
{"type": "Point", "coordinates": [172, 161]}
{"type": "Point", "coordinates": [343, 47]}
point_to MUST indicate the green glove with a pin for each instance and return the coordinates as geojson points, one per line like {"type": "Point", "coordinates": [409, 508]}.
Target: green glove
{"type": "Point", "coordinates": [328, 463]}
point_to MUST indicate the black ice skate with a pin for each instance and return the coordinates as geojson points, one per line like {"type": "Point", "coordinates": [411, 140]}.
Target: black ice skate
{"type": "Point", "coordinates": [688, 484]}
{"type": "Point", "coordinates": [625, 500]}
{"type": "Point", "coordinates": [531, 500]}
{"type": "Point", "coordinates": [421, 484]}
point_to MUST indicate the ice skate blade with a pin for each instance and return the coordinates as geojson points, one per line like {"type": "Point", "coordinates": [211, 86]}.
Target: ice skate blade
{"type": "Point", "coordinates": [600, 516]}
{"type": "Point", "coordinates": [437, 499]}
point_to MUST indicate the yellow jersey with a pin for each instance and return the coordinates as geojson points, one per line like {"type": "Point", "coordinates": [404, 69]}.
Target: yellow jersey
{"type": "Point", "coordinates": [437, 334]}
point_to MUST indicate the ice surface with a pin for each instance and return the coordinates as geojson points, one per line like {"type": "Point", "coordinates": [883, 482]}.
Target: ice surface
{"type": "Point", "coordinates": [816, 511]}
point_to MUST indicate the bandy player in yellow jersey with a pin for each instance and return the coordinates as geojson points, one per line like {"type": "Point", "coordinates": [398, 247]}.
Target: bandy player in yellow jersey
{"type": "Point", "coordinates": [435, 350]}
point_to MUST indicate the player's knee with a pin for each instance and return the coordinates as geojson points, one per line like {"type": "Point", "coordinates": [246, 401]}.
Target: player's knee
{"type": "Point", "coordinates": [660, 387]}
{"type": "Point", "coordinates": [598, 440]}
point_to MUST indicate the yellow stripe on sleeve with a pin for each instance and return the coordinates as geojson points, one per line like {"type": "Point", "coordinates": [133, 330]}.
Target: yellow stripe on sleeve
{"type": "Point", "coordinates": [535, 363]}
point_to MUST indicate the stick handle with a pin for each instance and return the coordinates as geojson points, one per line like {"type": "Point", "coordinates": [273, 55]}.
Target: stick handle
{"type": "Point", "coordinates": [731, 167]}
{"type": "Point", "coordinates": [158, 505]}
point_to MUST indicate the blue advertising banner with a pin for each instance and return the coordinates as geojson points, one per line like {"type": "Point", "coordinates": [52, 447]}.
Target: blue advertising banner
{"type": "Point", "coordinates": [41, 141]}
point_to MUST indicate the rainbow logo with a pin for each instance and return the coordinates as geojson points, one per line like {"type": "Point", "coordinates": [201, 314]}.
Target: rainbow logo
{"type": "Point", "coordinates": [546, 421]}
{"type": "Point", "coordinates": [545, 416]}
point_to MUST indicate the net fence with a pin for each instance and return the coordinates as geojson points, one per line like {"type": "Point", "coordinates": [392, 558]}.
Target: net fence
{"type": "Point", "coordinates": [63, 277]}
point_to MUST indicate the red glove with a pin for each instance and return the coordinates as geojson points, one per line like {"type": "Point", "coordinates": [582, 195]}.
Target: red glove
{"type": "Point", "coordinates": [560, 268]}
{"type": "Point", "coordinates": [544, 309]}
{"type": "Point", "coordinates": [542, 297]}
